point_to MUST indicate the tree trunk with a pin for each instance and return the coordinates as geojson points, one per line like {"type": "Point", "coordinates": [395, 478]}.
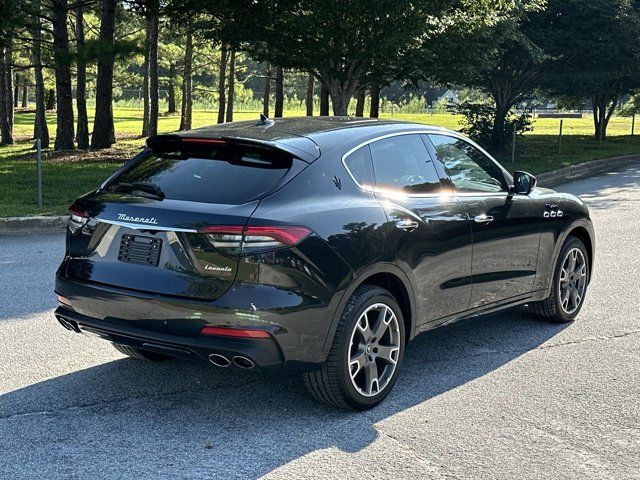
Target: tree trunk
{"type": "Point", "coordinates": [604, 106]}
{"type": "Point", "coordinates": [82, 135]}
{"type": "Point", "coordinates": [187, 101]}
{"type": "Point", "coordinates": [64, 104]}
{"type": "Point", "coordinates": [3, 95]}
{"type": "Point", "coordinates": [104, 133]}
{"type": "Point", "coordinates": [8, 72]}
{"type": "Point", "coordinates": [51, 99]}
{"type": "Point", "coordinates": [222, 101]}
{"type": "Point", "coordinates": [40, 128]}
{"type": "Point", "coordinates": [25, 95]}
{"type": "Point", "coordinates": [374, 109]}
{"type": "Point", "coordinates": [5, 132]}
{"type": "Point", "coordinates": [267, 91]}
{"type": "Point", "coordinates": [16, 94]}
{"type": "Point", "coordinates": [6, 114]}
{"type": "Point", "coordinates": [154, 107]}
{"type": "Point", "coordinates": [309, 98]}
{"type": "Point", "coordinates": [324, 100]}
{"type": "Point", "coordinates": [145, 79]}
{"type": "Point", "coordinates": [360, 98]}
{"type": "Point", "coordinates": [279, 106]}
{"type": "Point", "coordinates": [498, 134]}
{"type": "Point", "coordinates": [171, 96]}
{"type": "Point", "coordinates": [341, 92]}
{"type": "Point", "coordinates": [340, 102]}
{"type": "Point", "coordinates": [232, 84]}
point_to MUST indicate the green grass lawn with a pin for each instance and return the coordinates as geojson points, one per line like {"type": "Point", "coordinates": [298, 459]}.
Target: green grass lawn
{"type": "Point", "coordinates": [69, 175]}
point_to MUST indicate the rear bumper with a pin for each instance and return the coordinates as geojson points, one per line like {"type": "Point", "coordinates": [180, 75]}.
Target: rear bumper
{"type": "Point", "coordinates": [263, 352]}
{"type": "Point", "coordinates": [298, 322]}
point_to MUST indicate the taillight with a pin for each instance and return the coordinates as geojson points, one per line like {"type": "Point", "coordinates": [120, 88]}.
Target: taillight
{"type": "Point", "coordinates": [78, 218]}
{"type": "Point", "coordinates": [234, 332]}
{"type": "Point", "coordinates": [253, 239]}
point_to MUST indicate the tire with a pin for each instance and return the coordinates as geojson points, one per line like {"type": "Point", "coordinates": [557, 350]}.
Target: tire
{"type": "Point", "coordinates": [553, 308]}
{"type": "Point", "coordinates": [140, 354]}
{"type": "Point", "coordinates": [357, 349]}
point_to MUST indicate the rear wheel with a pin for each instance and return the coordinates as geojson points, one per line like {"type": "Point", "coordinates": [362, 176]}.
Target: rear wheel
{"type": "Point", "coordinates": [140, 353]}
{"type": "Point", "coordinates": [570, 280]}
{"type": "Point", "coordinates": [366, 353]}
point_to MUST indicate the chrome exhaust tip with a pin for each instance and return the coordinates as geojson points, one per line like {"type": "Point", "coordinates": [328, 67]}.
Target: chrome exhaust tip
{"type": "Point", "coordinates": [68, 324]}
{"type": "Point", "coordinates": [219, 360]}
{"type": "Point", "coordinates": [243, 362]}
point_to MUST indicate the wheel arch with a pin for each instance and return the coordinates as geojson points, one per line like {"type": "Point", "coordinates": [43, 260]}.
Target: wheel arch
{"type": "Point", "coordinates": [391, 278]}
{"type": "Point", "coordinates": [583, 235]}
{"type": "Point", "coordinates": [581, 228]}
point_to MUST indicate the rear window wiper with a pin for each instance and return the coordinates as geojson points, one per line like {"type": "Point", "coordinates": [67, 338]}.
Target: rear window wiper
{"type": "Point", "coordinates": [146, 187]}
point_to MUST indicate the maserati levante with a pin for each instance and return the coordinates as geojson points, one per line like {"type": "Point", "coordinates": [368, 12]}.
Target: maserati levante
{"type": "Point", "coordinates": [319, 245]}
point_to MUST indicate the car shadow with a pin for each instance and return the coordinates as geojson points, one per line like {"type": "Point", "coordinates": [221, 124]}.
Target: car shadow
{"type": "Point", "coordinates": [181, 417]}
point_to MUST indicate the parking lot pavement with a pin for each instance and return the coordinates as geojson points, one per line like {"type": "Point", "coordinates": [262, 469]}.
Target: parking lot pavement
{"type": "Point", "coordinates": [499, 396]}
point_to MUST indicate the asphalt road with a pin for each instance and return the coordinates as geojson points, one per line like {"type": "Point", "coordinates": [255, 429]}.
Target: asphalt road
{"type": "Point", "coordinates": [499, 397]}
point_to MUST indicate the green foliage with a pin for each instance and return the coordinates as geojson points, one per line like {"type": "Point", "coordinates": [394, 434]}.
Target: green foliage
{"type": "Point", "coordinates": [120, 50]}
{"type": "Point", "coordinates": [500, 60]}
{"type": "Point", "coordinates": [596, 45]}
{"type": "Point", "coordinates": [10, 18]}
{"type": "Point", "coordinates": [479, 123]}
{"type": "Point", "coordinates": [631, 107]}
{"type": "Point", "coordinates": [345, 43]}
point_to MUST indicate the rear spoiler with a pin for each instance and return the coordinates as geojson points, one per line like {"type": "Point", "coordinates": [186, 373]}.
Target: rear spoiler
{"type": "Point", "coordinates": [291, 146]}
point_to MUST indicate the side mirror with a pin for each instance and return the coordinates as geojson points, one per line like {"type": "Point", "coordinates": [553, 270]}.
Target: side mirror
{"type": "Point", "coordinates": [523, 183]}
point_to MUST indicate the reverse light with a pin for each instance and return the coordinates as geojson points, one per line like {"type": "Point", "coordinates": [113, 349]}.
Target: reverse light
{"type": "Point", "coordinates": [234, 332]}
{"type": "Point", "coordinates": [63, 300]}
{"type": "Point", "coordinates": [253, 239]}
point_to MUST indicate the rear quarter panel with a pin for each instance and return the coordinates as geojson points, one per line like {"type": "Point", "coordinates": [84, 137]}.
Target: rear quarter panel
{"type": "Point", "coordinates": [349, 220]}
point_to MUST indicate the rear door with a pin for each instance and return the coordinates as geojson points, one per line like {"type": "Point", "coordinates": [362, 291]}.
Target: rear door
{"type": "Point", "coordinates": [430, 231]}
{"type": "Point", "coordinates": [172, 223]}
{"type": "Point", "coordinates": [506, 230]}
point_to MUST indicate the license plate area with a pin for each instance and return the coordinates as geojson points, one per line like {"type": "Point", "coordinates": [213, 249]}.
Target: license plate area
{"type": "Point", "coordinates": [140, 249]}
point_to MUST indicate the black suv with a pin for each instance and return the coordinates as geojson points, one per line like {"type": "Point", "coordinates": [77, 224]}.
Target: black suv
{"type": "Point", "coordinates": [317, 244]}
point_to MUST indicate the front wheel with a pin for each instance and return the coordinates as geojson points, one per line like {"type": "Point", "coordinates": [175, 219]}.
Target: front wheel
{"type": "Point", "coordinates": [366, 353]}
{"type": "Point", "coordinates": [570, 280]}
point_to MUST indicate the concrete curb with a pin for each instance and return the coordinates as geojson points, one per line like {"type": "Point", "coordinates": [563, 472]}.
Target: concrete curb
{"type": "Point", "coordinates": [24, 225]}
{"type": "Point", "coordinates": [585, 170]}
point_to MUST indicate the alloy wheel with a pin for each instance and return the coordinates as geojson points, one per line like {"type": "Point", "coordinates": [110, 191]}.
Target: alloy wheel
{"type": "Point", "coordinates": [374, 349]}
{"type": "Point", "coordinates": [573, 280]}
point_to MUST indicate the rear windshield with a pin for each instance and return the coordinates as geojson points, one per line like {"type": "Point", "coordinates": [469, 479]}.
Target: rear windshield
{"type": "Point", "coordinates": [222, 174]}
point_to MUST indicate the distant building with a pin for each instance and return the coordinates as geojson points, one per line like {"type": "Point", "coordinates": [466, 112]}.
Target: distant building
{"type": "Point", "coordinates": [450, 96]}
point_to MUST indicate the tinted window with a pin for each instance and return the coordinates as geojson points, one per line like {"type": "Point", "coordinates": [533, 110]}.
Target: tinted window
{"type": "Point", "coordinates": [403, 163]}
{"type": "Point", "coordinates": [359, 164]}
{"type": "Point", "coordinates": [468, 168]}
{"type": "Point", "coordinates": [226, 174]}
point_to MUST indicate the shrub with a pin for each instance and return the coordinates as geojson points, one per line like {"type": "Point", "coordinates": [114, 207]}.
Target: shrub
{"type": "Point", "coordinates": [479, 119]}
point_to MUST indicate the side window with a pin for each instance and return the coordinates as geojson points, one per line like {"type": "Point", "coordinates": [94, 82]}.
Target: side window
{"type": "Point", "coordinates": [403, 163]}
{"type": "Point", "coordinates": [359, 165]}
{"type": "Point", "coordinates": [468, 168]}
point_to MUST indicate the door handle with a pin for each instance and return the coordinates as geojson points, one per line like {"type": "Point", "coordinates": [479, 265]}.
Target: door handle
{"type": "Point", "coordinates": [407, 225]}
{"type": "Point", "coordinates": [483, 218]}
